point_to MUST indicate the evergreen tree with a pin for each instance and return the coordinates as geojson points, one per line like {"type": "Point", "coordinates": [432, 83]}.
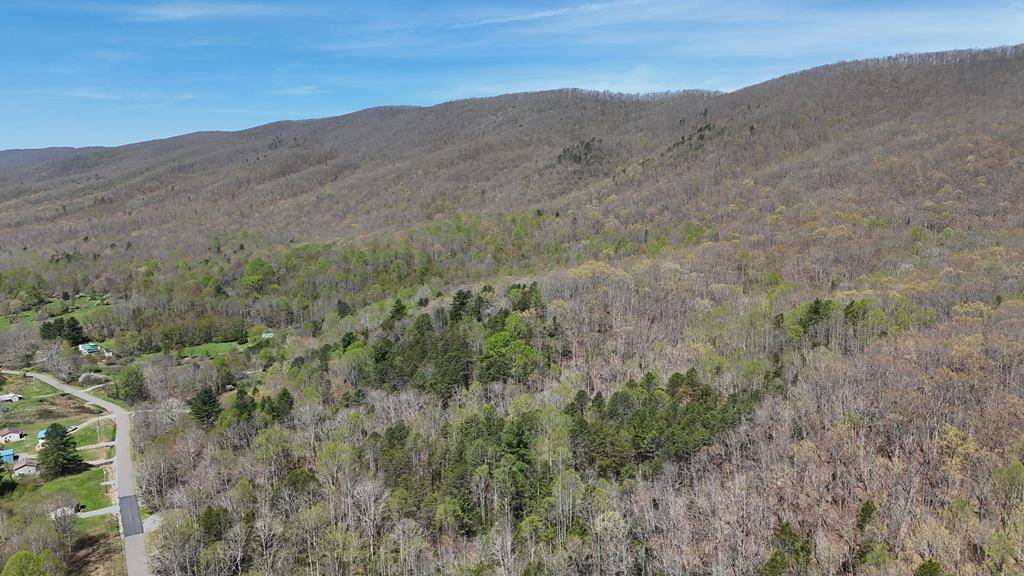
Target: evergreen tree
{"type": "Point", "coordinates": [205, 407]}
{"type": "Point", "coordinates": [285, 402]}
{"type": "Point", "coordinates": [347, 340]}
{"type": "Point", "coordinates": [52, 329]}
{"type": "Point", "coordinates": [59, 455]}
{"type": "Point", "coordinates": [453, 364]}
{"type": "Point", "coordinates": [244, 405]}
{"type": "Point", "coordinates": [398, 311]}
{"type": "Point", "coordinates": [342, 308]}
{"type": "Point", "coordinates": [72, 331]}
{"type": "Point", "coordinates": [214, 521]}
{"type": "Point", "coordinates": [929, 567]}
{"type": "Point", "coordinates": [278, 407]}
{"type": "Point", "coordinates": [459, 303]}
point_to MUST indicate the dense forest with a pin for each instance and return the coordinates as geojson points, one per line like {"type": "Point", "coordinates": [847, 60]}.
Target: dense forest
{"type": "Point", "coordinates": [777, 331]}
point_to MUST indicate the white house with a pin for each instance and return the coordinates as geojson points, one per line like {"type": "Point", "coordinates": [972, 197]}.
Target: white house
{"type": "Point", "coordinates": [10, 397]}
{"type": "Point", "coordinates": [11, 435]}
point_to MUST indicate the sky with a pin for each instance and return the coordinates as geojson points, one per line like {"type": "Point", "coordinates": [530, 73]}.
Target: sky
{"type": "Point", "coordinates": [105, 72]}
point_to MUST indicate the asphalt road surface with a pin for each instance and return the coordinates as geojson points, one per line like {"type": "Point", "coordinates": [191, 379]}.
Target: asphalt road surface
{"type": "Point", "coordinates": [124, 475]}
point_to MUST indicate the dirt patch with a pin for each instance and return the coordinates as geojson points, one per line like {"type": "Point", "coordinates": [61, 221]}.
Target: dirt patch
{"type": "Point", "coordinates": [57, 407]}
{"type": "Point", "coordinates": [98, 555]}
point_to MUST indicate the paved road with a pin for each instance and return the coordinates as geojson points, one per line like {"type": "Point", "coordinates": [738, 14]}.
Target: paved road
{"type": "Point", "coordinates": [124, 472]}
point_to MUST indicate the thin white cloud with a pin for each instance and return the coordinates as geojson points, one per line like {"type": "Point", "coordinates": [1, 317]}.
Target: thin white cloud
{"type": "Point", "coordinates": [176, 11]}
{"type": "Point", "coordinates": [552, 13]}
{"type": "Point", "coordinates": [304, 90]}
{"type": "Point", "coordinates": [94, 93]}
{"type": "Point", "coordinates": [86, 94]}
{"type": "Point", "coordinates": [637, 79]}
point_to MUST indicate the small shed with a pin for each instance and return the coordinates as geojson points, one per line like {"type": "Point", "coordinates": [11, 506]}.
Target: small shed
{"type": "Point", "coordinates": [7, 456]}
{"type": "Point", "coordinates": [10, 397]}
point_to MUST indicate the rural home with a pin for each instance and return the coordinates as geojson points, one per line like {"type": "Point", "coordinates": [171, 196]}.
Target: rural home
{"type": "Point", "coordinates": [11, 435]}
{"type": "Point", "coordinates": [10, 397]}
{"type": "Point", "coordinates": [25, 467]}
{"type": "Point", "coordinates": [89, 348]}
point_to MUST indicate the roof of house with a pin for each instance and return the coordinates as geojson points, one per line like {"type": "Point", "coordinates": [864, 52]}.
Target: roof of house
{"type": "Point", "coordinates": [42, 434]}
{"type": "Point", "coordinates": [10, 395]}
{"type": "Point", "coordinates": [7, 431]}
{"type": "Point", "coordinates": [7, 455]}
{"type": "Point", "coordinates": [89, 347]}
{"type": "Point", "coordinates": [25, 462]}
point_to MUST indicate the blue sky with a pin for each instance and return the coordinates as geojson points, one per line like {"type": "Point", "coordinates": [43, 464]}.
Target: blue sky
{"type": "Point", "coordinates": [103, 72]}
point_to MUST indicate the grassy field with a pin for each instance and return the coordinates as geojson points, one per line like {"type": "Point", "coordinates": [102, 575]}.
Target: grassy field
{"type": "Point", "coordinates": [101, 431]}
{"type": "Point", "coordinates": [98, 550]}
{"type": "Point", "coordinates": [95, 454]}
{"type": "Point", "coordinates": [208, 350]}
{"type": "Point", "coordinates": [87, 487]}
{"type": "Point", "coordinates": [82, 308]}
{"type": "Point", "coordinates": [42, 405]}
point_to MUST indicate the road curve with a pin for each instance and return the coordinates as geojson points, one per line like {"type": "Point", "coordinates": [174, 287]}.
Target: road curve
{"type": "Point", "coordinates": [124, 474]}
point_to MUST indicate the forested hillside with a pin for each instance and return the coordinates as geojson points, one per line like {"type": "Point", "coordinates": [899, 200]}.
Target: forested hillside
{"type": "Point", "coordinates": [775, 331]}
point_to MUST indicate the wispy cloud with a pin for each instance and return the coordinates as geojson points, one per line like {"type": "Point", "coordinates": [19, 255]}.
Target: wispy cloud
{"type": "Point", "coordinates": [85, 94]}
{"type": "Point", "coordinates": [552, 13]}
{"type": "Point", "coordinates": [636, 79]}
{"type": "Point", "coordinates": [175, 11]}
{"type": "Point", "coordinates": [94, 93]}
{"type": "Point", "coordinates": [303, 90]}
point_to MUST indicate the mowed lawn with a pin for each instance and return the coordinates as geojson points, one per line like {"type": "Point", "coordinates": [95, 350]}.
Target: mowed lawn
{"type": "Point", "coordinates": [96, 432]}
{"type": "Point", "coordinates": [42, 405]}
{"type": "Point", "coordinates": [87, 487]}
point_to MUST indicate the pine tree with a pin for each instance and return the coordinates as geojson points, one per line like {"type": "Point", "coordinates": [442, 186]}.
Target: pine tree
{"type": "Point", "coordinates": [929, 568]}
{"type": "Point", "coordinates": [244, 405]}
{"type": "Point", "coordinates": [342, 308]}
{"type": "Point", "coordinates": [52, 329]}
{"type": "Point", "coordinates": [73, 331]}
{"type": "Point", "coordinates": [285, 402]}
{"type": "Point", "coordinates": [459, 303]}
{"type": "Point", "coordinates": [205, 407]}
{"type": "Point", "coordinates": [398, 311]}
{"type": "Point", "coordinates": [59, 455]}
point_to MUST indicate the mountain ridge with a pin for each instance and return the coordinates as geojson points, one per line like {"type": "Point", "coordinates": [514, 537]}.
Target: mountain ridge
{"type": "Point", "coordinates": [385, 168]}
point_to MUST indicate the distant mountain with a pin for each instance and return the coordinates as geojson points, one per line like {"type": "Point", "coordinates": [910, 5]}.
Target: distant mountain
{"type": "Point", "coordinates": [773, 331]}
{"type": "Point", "coordinates": [12, 158]}
{"type": "Point", "coordinates": [804, 136]}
